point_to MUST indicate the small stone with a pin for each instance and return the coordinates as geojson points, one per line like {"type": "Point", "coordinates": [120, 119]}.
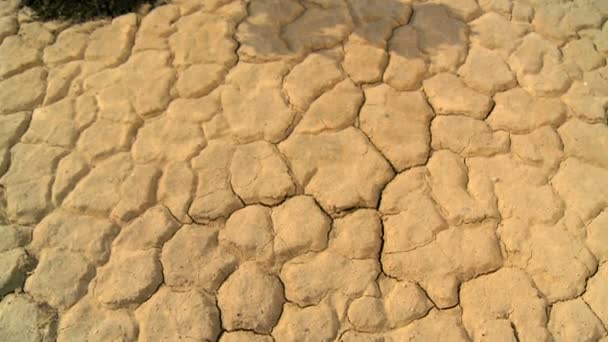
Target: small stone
{"type": "Point", "coordinates": [251, 299]}
{"type": "Point", "coordinates": [60, 278]}
{"type": "Point", "coordinates": [22, 319]}
{"type": "Point", "coordinates": [129, 277]}
{"type": "Point", "coordinates": [170, 315]}
{"type": "Point", "coordinates": [449, 95]}
{"type": "Point", "coordinates": [260, 175]}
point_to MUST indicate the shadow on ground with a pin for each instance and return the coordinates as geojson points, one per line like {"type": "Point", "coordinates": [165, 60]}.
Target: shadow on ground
{"type": "Point", "coordinates": [279, 29]}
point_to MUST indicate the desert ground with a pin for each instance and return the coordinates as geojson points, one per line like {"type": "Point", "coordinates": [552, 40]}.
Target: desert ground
{"type": "Point", "coordinates": [306, 170]}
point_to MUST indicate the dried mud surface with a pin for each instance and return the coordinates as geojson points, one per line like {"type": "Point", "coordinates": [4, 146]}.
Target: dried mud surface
{"type": "Point", "coordinates": [306, 170]}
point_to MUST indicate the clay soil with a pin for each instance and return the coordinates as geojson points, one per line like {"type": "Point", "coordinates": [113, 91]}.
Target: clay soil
{"type": "Point", "coordinates": [306, 170]}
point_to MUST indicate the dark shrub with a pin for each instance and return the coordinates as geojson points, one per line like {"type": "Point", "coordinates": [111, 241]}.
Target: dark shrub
{"type": "Point", "coordinates": [81, 10]}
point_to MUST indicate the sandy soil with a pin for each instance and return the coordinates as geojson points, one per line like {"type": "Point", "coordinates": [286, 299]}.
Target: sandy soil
{"type": "Point", "coordinates": [306, 170]}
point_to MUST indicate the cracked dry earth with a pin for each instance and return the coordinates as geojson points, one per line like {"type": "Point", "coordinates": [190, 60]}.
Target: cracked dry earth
{"type": "Point", "coordinates": [313, 170]}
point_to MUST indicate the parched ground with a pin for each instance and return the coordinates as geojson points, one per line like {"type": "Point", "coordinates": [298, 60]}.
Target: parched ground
{"type": "Point", "coordinates": [306, 170]}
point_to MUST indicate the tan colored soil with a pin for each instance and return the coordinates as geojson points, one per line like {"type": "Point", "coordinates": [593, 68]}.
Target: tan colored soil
{"type": "Point", "coordinates": [306, 170]}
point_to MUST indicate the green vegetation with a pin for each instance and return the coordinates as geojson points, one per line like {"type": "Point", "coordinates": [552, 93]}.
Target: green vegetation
{"type": "Point", "coordinates": [81, 10]}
